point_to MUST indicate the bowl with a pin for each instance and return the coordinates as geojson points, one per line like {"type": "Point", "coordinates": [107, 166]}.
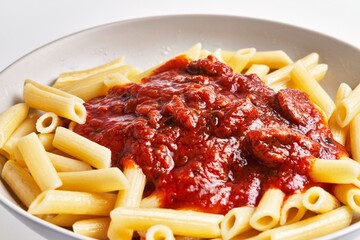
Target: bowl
{"type": "Point", "coordinates": [146, 42]}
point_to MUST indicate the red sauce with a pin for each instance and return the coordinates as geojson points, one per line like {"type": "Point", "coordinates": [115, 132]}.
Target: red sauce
{"type": "Point", "coordinates": [209, 139]}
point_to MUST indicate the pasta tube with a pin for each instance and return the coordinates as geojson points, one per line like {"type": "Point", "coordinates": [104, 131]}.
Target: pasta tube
{"type": "Point", "coordinates": [327, 171]}
{"type": "Point", "coordinates": [318, 200]}
{"type": "Point", "coordinates": [71, 202]}
{"type": "Point", "coordinates": [187, 223]}
{"type": "Point", "coordinates": [57, 101]}
{"type": "Point", "coordinates": [11, 119]}
{"type": "Point", "coordinates": [267, 213]}
{"type": "Point", "coordinates": [293, 209]}
{"type": "Point", "coordinates": [302, 78]}
{"type": "Point", "coordinates": [38, 162]}
{"type": "Point", "coordinates": [48, 122]}
{"type": "Point", "coordinates": [349, 107]}
{"type": "Point", "coordinates": [82, 148]}
{"type": "Point", "coordinates": [159, 232]}
{"type": "Point", "coordinates": [312, 227]}
{"type": "Point", "coordinates": [94, 228]}
{"type": "Point", "coordinates": [349, 195]}
{"type": "Point", "coordinates": [235, 222]}
{"type": "Point", "coordinates": [99, 180]}
{"type": "Point", "coordinates": [20, 182]}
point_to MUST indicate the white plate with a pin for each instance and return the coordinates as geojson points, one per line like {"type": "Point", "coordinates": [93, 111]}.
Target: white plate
{"type": "Point", "coordinates": [148, 41]}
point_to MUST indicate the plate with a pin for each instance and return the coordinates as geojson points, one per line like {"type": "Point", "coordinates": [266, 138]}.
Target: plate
{"type": "Point", "coordinates": [146, 42]}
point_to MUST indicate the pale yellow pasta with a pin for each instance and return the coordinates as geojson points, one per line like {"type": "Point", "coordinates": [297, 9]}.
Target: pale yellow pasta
{"type": "Point", "coordinates": [159, 232]}
{"type": "Point", "coordinates": [129, 197]}
{"type": "Point", "coordinates": [327, 171]}
{"type": "Point", "coordinates": [94, 228]}
{"type": "Point", "coordinates": [94, 86]}
{"type": "Point", "coordinates": [312, 227]}
{"type": "Point", "coordinates": [204, 53]}
{"type": "Point", "coordinates": [69, 77]}
{"type": "Point", "coordinates": [342, 92]}
{"type": "Point", "coordinates": [119, 81]}
{"type": "Point", "coordinates": [46, 140]}
{"type": "Point", "coordinates": [181, 222]}
{"type": "Point", "coordinates": [259, 69]}
{"type": "Point", "coordinates": [11, 119]}
{"type": "Point", "coordinates": [65, 220]}
{"type": "Point", "coordinates": [98, 180]}
{"type": "Point", "coordinates": [72, 202]}
{"type": "Point", "coordinates": [57, 101]}
{"type": "Point", "coordinates": [273, 59]}
{"type": "Point", "coordinates": [349, 195]}
{"type": "Point", "coordinates": [282, 75]}
{"type": "Point", "coordinates": [66, 164]}
{"type": "Point", "coordinates": [82, 148]}
{"type": "Point", "coordinates": [235, 222]}
{"type": "Point", "coordinates": [318, 200]}
{"type": "Point", "coordinates": [318, 71]}
{"type": "Point", "coordinates": [267, 213]}
{"type": "Point", "coordinates": [150, 201]}
{"type": "Point", "coordinates": [20, 182]}
{"type": "Point", "coordinates": [48, 122]}
{"type": "Point", "coordinates": [194, 51]}
{"type": "Point", "coordinates": [293, 209]}
{"type": "Point", "coordinates": [354, 131]}
{"type": "Point", "coordinates": [26, 127]}
{"type": "Point", "coordinates": [348, 107]}
{"type": "Point", "coordinates": [38, 162]}
{"type": "Point", "coordinates": [304, 81]}
{"type": "Point", "coordinates": [339, 134]}
{"type": "Point", "coordinates": [240, 59]}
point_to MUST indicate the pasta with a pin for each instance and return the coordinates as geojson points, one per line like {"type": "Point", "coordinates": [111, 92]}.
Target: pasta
{"type": "Point", "coordinates": [70, 180]}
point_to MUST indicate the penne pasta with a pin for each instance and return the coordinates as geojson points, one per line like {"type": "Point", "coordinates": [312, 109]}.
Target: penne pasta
{"type": "Point", "coordinates": [25, 128]}
{"type": "Point", "coordinates": [282, 75]}
{"type": "Point", "coordinates": [94, 228]}
{"type": "Point", "coordinates": [355, 137]}
{"type": "Point", "coordinates": [48, 122]}
{"type": "Point", "coordinates": [46, 140]}
{"type": "Point", "coordinates": [240, 59]}
{"type": "Point", "coordinates": [38, 162]}
{"type": "Point", "coordinates": [20, 182]}
{"type": "Point", "coordinates": [82, 148]}
{"type": "Point", "coordinates": [66, 164]}
{"type": "Point", "coordinates": [69, 77]}
{"type": "Point", "coordinates": [65, 220]}
{"type": "Point", "coordinates": [318, 200]}
{"type": "Point", "coordinates": [57, 101]}
{"type": "Point", "coordinates": [348, 194]}
{"type": "Point", "coordinates": [258, 69]}
{"type": "Point", "coordinates": [97, 181]}
{"type": "Point", "coordinates": [312, 227]}
{"type": "Point", "coordinates": [267, 213]}
{"type": "Point", "coordinates": [236, 222]}
{"type": "Point", "coordinates": [10, 120]}
{"type": "Point", "coordinates": [293, 209]}
{"type": "Point", "coordinates": [302, 78]}
{"type": "Point", "coordinates": [348, 107]}
{"type": "Point", "coordinates": [327, 171]}
{"type": "Point", "coordinates": [273, 59]}
{"type": "Point", "coordinates": [94, 86]}
{"type": "Point", "coordinates": [130, 197]}
{"type": "Point", "coordinates": [159, 232]}
{"type": "Point", "coordinates": [187, 223]}
{"type": "Point", "coordinates": [71, 202]}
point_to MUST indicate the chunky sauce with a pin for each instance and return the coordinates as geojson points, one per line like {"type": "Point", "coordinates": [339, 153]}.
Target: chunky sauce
{"type": "Point", "coordinates": [209, 139]}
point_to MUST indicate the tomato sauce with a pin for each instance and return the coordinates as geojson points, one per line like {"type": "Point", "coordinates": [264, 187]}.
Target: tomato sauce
{"type": "Point", "coordinates": [209, 139]}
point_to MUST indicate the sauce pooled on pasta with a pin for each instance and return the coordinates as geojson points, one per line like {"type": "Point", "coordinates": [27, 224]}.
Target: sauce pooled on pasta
{"type": "Point", "coordinates": [209, 139]}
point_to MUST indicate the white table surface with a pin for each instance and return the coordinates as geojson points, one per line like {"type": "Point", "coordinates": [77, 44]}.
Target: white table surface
{"type": "Point", "coordinates": [28, 24]}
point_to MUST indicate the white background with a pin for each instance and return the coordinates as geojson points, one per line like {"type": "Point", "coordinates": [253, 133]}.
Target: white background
{"type": "Point", "coordinates": [28, 24]}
